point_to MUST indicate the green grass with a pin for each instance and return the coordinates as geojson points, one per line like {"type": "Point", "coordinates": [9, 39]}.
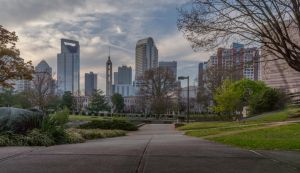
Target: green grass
{"type": "Point", "coordinates": [249, 133]}
{"type": "Point", "coordinates": [84, 118]}
{"type": "Point", "coordinates": [285, 137]}
{"type": "Point", "coordinates": [205, 125]}
{"type": "Point", "coordinates": [219, 130]}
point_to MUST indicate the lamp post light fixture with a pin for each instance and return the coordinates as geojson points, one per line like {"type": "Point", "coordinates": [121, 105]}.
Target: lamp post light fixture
{"type": "Point", "coordinates": [188, 95]}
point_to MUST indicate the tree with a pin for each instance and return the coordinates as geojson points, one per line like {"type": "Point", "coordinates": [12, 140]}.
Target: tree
{"type": "Point", "coordinates": [98, 102]}
{"type": "Point", "coordinates": [10, 99]}
{"type": "Point", "coordinates": [158, 89]}
{"type": "Point", "coordinates": [203, 98]}
{"type": "Point", "coordinates": [227, 99]}
{"type": "Point", "coordinates": [68, 100]}
{"type": "Point", "coordinates": [42, 90]}
{"type": "Point", "coordinates": [12, 67]}
{"type": "Point", "coordinates": [273, 24]}
{"type": "Point", "coordinates": [118, 102]}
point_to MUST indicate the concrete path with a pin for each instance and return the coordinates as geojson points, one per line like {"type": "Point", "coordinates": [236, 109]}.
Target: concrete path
{"type": "Point", "coordinates": [152, 149]}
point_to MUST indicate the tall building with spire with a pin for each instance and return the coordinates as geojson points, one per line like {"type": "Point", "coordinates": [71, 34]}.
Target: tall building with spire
{"type": "Point", "coordinates": [146, 56]}
{"type": "Point", "coordinates": [108, 77]}
{"type": "Point", "coordinates": [68, 67]}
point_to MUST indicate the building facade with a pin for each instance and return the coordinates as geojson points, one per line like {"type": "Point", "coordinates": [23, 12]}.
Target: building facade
{"type": "Point", "coordinates": [124, 75]}
{"type": "Point", "coordinates": [124, 89]}
{"type": "Point", "coordinates": [146, 56]}
{"type": "Point", "coordinates": [239, 62]}
{"type": "Point", "coordinates": [170, 65]}
{"type": "Point", "coordinates": [43, 74]}
{"type": "Point", "coordinates": [201, 74]}
{"type": "Point", "coordinates": [68, 67]}
{"type": "Point", "coordinates": [43, 67]}
{"type": "Point", "coordinates": [90, 83]}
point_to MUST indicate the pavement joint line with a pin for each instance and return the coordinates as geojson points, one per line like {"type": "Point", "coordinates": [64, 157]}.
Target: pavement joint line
{"type": "Point", "coordinates": [226, 157]}
{"type": "Point", "coordinates": [16, 155]}
{"type": "Point", "coordinates": [275, 160]}
{"type": "Point", "coordinates": [73, 154]}
{"type": "Point", "coordinates": [257, 153]}
{"type": "Point", "coordinates": [140, 167]}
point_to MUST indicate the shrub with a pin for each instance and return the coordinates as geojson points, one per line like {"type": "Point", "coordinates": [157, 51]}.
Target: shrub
{"type": "Point", "coordinates": [98, 133]}
{"type": "Point", "coordinates": [54, 126]}
{"type": "Point", "coordinates": [110, 124]}
{"type": "Point", "coordinates": [74, 137]}
{"type": "Point", "coordinates": [60, 118]}
{"type": "Point", "coordinates": [268, 100]}
{"type": "Point", "coordinates": [38, 138]}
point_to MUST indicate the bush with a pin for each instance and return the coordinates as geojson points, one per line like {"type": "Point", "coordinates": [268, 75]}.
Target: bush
{"type": "Point", "coordinates": [98, 133]}
{"type": "Point", "coordinates": [110, 124]}
{"type": "Point", "coordinates": [37, 138]}
{"type": "Point", "coordinates": [268, 100]}
{"type": "Point", "coordinates": [33, 138]}
{"type": "Point", "coordinates": [74, 137]}
{"type": "Point", "coordinates": [54, 126]}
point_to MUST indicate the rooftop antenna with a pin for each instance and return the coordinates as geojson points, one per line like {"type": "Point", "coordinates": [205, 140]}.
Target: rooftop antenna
{"type": "Point", "coordinates": [108, 52]}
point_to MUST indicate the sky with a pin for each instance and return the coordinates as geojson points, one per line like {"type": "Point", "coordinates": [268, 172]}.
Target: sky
{"type": "Point", "coordinates": [98, 25]}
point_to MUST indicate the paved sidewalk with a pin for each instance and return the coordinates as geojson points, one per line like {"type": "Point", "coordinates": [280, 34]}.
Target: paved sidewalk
{"type": "Point", "coordinates": [153, 149]}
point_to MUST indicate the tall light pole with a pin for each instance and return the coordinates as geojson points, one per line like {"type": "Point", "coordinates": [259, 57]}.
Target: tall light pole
{"type": "Point", "coordinates": [188, 95]}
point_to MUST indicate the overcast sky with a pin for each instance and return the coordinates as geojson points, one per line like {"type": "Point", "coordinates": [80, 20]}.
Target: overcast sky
{"type": "Point", "coordinates": [98, 24]}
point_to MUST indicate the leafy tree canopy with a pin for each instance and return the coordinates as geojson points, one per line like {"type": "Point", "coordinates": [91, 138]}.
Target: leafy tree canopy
{"type": "Point", "coordinates": [12, 66]}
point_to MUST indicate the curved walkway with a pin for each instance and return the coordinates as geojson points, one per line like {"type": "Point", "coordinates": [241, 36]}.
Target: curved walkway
{"type": "Point", "coordinates": [153, 149]}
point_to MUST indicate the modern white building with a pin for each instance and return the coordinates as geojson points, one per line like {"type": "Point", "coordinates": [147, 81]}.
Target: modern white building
{"type": "Point", "coordinates": [68, 67]}
{"type": "Point", "coordinates": [146, 56]}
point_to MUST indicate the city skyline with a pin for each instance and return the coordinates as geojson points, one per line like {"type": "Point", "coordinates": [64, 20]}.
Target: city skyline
{"type": "Point", "coordinates": [98, 25]}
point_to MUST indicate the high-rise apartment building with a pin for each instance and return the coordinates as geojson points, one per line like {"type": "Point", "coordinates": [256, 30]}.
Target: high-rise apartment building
{"type": "Point", "coordinates": [68, 67]}
{"type": "Point", "coordinates": [90, 83]}
{"type": "Point", "coordinates": [238, 61]}
{"type": "Point", "coordinates": [170, 65]}
{"type": "Point", "coordinates": [146, 56]}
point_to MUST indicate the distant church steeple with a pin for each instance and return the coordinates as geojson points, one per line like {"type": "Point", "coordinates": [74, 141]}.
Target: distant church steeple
{"type": "Point", "coordinates": [108, 76]}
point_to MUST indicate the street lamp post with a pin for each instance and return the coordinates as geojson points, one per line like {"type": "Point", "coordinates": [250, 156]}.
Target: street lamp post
{"type": "Point", "coordinates": [188, 95]}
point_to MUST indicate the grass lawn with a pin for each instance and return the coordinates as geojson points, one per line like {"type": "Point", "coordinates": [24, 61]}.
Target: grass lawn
{"type": "Point", "coordinates": [275, 116]}
{"type": "Point", "coordinates": [256, 132]}
{"type": "Point", "coordinates": [285, 137]}
{"type": "Point", "coordinates": [219, 130]}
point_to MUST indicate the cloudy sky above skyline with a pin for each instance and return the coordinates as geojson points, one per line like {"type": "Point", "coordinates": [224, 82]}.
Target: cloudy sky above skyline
{"type": "Point", "coordinates": [98, 24]}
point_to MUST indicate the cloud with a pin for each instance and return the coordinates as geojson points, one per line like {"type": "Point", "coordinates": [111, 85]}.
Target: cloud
{"type": "Point", "coordinates": [97, 25]}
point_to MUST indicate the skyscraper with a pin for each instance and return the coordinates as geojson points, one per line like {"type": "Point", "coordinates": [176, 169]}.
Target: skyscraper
{"type": "Point", "coordinates": [146, 56]}
{"type": "Point", "coordinates": [43, 66]}
{"type": "Point", "coordinates": [90, 83]}
{"type": "Point", "coordinates": [171, 65]}
{"type": "Point", "coordinates": [68, 67]}
{"type": "Point", "coordinates": [115, 78]}
{"type": "Point", "coordinates": [200, 74]}
{"type": "Point", "coordinates": [43, 74]}
{"type": "Point", "coordinates": [108, 77]}
{"type": "Point", "coordinates": [124, 75]}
